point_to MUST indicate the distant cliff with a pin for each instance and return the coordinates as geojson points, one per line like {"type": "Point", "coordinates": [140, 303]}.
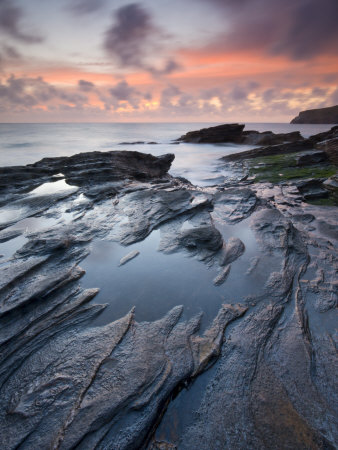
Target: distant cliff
{"type": "Point", "coordinates": [322, 115]}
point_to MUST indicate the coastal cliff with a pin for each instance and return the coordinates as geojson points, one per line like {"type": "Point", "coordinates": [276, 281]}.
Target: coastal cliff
{"type": "Point", "coordinates": [321, 115]}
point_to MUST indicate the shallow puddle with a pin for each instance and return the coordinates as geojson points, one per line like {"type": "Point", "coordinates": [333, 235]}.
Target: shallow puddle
{"type": "Point", "coordinates": [54, 187]}
{"type": "Point", "coordinates": [155, 282]}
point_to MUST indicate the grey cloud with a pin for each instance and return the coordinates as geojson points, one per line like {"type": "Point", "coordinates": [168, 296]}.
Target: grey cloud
{"type": "Point", "coordinates": [269, 94]}
{"type": "Point", "coordinates": [83, 7]}
{"type": "Point", "coordinates": [253, 85]}
{"type": "Point", "coordinates": [10, 23]}
{"type": "Point", "coordinates": [127, 38]}
{"type": "Point", "coordinates": [29, 92]}
{"type": "Point", "coordinates": [168, 94]}
{"type": "Point", "coordinates": [239, 93]}
{"type": "Point", "coordinates": [300, 29]}
{"type": "Point", "coordinates": [319, 92]}
{"type": "Point", "coordinates": [11, 52]}
{"type": "Point", "coordinates": [169, 67]}
{"type": "Point", "coordinates": [86, 86]}
{"type": "Point", "coordinates": [133, 38]}
{"type": "Point", "coordinates": [8, 54]}
{"type": "Point", "coordinates": [123, 91]}
{"type": "Point", "coordinates": [334, 98]}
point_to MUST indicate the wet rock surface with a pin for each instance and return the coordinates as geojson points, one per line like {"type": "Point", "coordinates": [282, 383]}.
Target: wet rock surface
{"type": "Point", "coordinates": [266, 361]}
{"type": "Point", "coordinates": [293, 147]}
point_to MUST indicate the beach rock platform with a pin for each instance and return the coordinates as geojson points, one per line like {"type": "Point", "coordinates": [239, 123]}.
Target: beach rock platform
{"type": "Point", "coordinates": [261, 374]}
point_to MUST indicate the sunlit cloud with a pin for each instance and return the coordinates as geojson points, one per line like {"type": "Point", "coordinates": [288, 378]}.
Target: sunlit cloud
{"type": "Point", "coordinates": [137, 61]}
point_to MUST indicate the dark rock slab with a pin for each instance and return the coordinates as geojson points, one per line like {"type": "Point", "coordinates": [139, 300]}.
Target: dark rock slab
{"type": "Point", "coordinates": [221, 133]}
{"type": "Point", "coordinates": [282, 149]}
{"type": "Point", "coordinates": [321, 115]}
{"type": "Point", "coordinates": [270, 138]}
{"type": "Point", "coordinates": [310, 158]}
{"type": "Point", "coordinates": [87, 168]}
{"type": "Point", "coordinates": [325, 135]}
{"type": "Point", "coordinates": [332, 185]}
{"type": "Point", "coordinates": [234, 133]}
{"type": "Point", "coordinates": [312, 189]}
{"type": "Point", "coordinates": [330, 147]}
{"type": "Point", "coordinates": [72, 391]}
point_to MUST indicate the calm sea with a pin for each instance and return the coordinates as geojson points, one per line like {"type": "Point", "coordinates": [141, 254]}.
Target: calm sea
{"type": "Point", "coordinates": [27, 143]}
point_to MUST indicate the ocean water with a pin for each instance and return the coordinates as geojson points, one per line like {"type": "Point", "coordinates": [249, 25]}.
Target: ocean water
{"type": "Point", "coordinates": [27, 143]}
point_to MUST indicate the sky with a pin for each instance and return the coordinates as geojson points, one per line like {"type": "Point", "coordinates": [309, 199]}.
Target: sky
{"type": "Point", "coordinates": [166, 60]}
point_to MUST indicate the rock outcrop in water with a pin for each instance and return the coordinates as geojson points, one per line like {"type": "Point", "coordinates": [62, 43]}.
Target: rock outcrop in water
{"type": "Point", "coordinates": [66, 384]}
{"type": "Point", "coordinates": [321, 115]}
{"type": "Point", "coordinates": [234, 133]}
{"type": "Point", "coordinates": [222, 133]}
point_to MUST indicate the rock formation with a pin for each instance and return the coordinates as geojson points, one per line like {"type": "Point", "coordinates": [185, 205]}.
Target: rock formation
{"type": "Point", "coordinates": [234, 133]}
{"type": "Point", "coordinates": [321, 115]}
{"type": "Point", "coordinates": [267, 356]}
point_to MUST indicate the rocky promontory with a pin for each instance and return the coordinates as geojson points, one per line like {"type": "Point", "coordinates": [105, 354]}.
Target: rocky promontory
{"type": "Point", "coordinates": [321, 115]}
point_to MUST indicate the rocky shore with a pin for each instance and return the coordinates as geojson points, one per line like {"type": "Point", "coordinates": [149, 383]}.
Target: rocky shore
{"type": "Point", "coordinates": [268, 357]}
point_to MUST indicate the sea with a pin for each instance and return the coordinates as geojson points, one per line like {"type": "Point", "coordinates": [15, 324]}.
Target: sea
{"type": "Point", "coordinates": [26, 143]}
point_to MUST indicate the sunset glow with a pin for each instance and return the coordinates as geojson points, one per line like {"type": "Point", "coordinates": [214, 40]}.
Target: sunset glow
{"type": "Point", "coordinates": [141, 62]}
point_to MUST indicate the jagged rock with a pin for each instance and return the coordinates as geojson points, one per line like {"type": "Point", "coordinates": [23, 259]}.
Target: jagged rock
{"type": "Point", "coordinates": [65, 383]}
{"type": "Point", "coordinates": [309, 158]}
{"type": "Point", "coordinates": [221, 133]}
{"type": "Point", "coordinates": [234, 204]}
{"type": "Point", "coordinates": [233, 250]}
{"type": "Point", "coordinates": [234, 133]}
{"type": "Point", "coordinates": [283, 149]}
{"type": "Point", "coordinates": [132, 143]}
{"type": "Point", "coordinates": [8, 235]}
{"type": "Point", "coordinates": [321, 115]}
{"type": "Point", "coordinates": [222, 276]}
{"type": "Point", "coordinates": [129, 257]}
{"type": "Point", "coordinates": [332, 185]}
{"type": "Point", "coordinates": [330, 147]}
{"type": "Point", "coordinates": [87, 168]}
{"type": "Point", "coordinates": [73, 389]}
{"type": "Point", "coordinates": [312, 189]}
{"type": "Point", "coordinates": [270, 138]}
{"type": "Point", "coordinates": [325, 135]}
{"type": "Point", "coordinates": [194, 233]}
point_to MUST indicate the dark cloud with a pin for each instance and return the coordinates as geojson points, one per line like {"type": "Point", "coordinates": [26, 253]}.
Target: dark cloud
{"type": "Point", "coordinates": [123, 91]}
{"type": "Point", "coordinates": [86, 86]}
{"type": "Point", "coordinates": [10, 23]}
{"type": "Point", "coordinates": [239, 93]}
{"type": "Point", "coordinates": [82, 7]}
{"type": "Point", "coordinates": [11, 52]}
{"type": "Point", "coordinates": [127, 39]}
{"type": "Point", "coordinates": [8, 54]}
{"type": "Point", "coordinates": [300, 29]}
{"type": "Point", "coordinates": [319, 92]}
{"type": "Point", "coordinates": [29, 92]}
{"type": "Point", "coordinates": [133, 39]}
